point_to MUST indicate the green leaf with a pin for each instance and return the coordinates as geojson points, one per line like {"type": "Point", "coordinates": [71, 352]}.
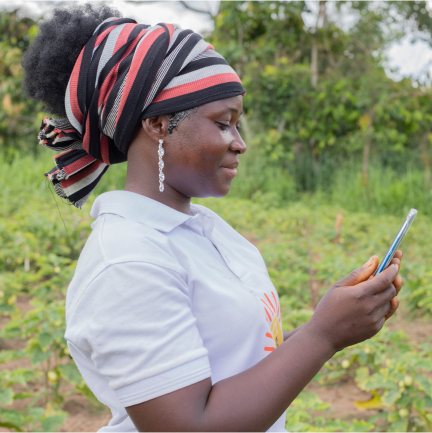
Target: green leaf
{"type": "Point", "coordinates": [37, 355]}
{"type": "Point", "coordinates": [21, 376]}
{"type": "Point", "coordinates": [428, 402]}
{"type": "Point", "coordinates": [361, 426]}
{"type": "Point", "coordinates": [71, 373]}
{"type": "Point", "coordinates": [362, 373]}
{"type": "Point", "coordinates": [53, 423]}
{"type": "Point", "coordinates": [36, 413]}
{"type": "Point", "coordinates": [406, 399]}
{"type": "Point", "coordinates": [13, 416]}
{"type": "Point", "coordinates": [21, 395]}
{"type": "Point", "coordinates": [400, 425]}
{"type": "Point", "coordinates": [424, 383]}
{"type": "Point", "coordinates": [9, 355]}
{"type": "Point", "coordinates": [5, 308]}
{"type": "Point", "coordinates": [6, 396]}
{"type": "Point", "coordinates": [11, 426]}
{"type": "Point", "coordinates": [418, 404]}
{"type": "Point", "coordinates": [389, 397]}
{"type": "Point", "coordinates": [45, 340]}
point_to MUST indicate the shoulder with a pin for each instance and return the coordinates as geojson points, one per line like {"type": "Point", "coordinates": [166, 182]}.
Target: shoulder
{"type": "Point", "coordinates": [123, 240]}
{"type": "Point", "coordinates": [124, 247]}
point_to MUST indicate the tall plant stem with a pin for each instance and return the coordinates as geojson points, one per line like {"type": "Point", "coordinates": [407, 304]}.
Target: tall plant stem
{"type": "Point", "coordinates": [321, 18]}
{"type": "Point", "coordinates": [312, 289]}
{"type": "Point", "coordinates": [366, 150]}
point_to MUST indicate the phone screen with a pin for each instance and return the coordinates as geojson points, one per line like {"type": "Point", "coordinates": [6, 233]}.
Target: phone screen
{"type": "Point", "coordinates": [397, 241]}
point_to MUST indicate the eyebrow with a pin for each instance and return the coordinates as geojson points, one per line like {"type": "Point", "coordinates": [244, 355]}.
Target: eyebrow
{"type": "Point", "coordinates": [233, 109]}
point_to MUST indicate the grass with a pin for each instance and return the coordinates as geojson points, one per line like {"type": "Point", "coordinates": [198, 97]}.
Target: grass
{"type": "Point", "coordinates": [388, 191]}
{"type": "Point", "coordinates": [296, 234]}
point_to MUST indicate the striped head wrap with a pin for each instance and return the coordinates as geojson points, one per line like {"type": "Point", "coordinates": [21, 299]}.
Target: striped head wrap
{"type": "Point", "coordinates": [127, 72]}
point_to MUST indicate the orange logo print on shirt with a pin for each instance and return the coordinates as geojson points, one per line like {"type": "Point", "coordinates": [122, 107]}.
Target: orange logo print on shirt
{"type": "Point", "coordinates": [274, 320]}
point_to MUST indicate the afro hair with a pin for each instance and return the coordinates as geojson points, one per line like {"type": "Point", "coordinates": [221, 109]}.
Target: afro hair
{"type": "Point", "coordinates": [50, 58]}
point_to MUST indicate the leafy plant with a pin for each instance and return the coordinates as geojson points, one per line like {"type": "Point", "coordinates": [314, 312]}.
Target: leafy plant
{"type": "Point", "coordinates": [309, 413]}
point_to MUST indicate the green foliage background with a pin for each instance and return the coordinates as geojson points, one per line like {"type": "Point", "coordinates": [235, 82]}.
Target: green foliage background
{"type": "Point", "coordinates": [38, 258]}
{"type": "Point", "coordinates": [325, 136]}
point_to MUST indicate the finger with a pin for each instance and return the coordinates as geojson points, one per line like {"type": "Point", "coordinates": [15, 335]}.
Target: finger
{"type": "Point", "coordinates": [396, 261]}
{"type": "Point", "coordinates": [383, 310]}
{"type": "Point", "coordinates": [382, 321]}
{"type": "Point", "coordinates": [394, 304]}
{"type": "Point", "coordinates": [398, 254]}
{"type": "Point", "coordinates": [385, 296]}
{"type": "Point", "coordinates": [359, 275]}
{"type": "Point", "coordinates": [381, 281]}
{"type": "Point", "coordinates": [397, 282]}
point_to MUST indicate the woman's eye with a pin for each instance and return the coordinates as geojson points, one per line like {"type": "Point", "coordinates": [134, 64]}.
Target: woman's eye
{"type": "Point", "coordinates": [223, 127]}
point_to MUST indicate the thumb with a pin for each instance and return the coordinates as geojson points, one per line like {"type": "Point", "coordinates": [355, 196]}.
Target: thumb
{"type": "Point", "coordinates": [359, 275]}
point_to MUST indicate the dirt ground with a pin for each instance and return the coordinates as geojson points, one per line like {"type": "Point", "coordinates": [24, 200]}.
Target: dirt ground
{"type": "Point", "coordinates": [87, 418]}
{"type": "Point", "coordinates": [342, 396]}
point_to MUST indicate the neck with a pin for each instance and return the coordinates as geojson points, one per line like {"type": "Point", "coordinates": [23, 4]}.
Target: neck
{"type": "Point", "coordinates": [142, 178]}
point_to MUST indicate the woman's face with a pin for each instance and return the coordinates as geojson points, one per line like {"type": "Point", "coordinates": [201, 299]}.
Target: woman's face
{"type": "Point", "coordinates": [202, 154]}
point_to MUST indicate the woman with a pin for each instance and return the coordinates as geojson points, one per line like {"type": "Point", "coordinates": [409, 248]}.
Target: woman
{"type": "Point", "coordinates": [171, 316]}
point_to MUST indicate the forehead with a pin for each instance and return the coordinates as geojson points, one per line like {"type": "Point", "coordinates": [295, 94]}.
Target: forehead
{"type": "Point", "coordinates": [232, 105]}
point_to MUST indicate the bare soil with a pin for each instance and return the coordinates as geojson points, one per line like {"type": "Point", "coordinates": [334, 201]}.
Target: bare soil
{"type": "Point", "coordinates": [85, 417]}
{"type": "Point", "coordinates": [343, 395]}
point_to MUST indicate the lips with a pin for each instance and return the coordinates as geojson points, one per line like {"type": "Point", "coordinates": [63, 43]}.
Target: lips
{"type": "Point", "coordinates": [230, 169]}
{"type": "Point", "coordinates": [233, 166]}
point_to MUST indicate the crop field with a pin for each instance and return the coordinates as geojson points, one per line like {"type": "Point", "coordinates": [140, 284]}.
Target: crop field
{"type": "Point", "coordinates": [383, 384]}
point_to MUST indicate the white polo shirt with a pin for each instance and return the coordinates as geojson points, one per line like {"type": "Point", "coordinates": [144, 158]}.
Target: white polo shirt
{"type": "Point", "coordinates": [161, 300]}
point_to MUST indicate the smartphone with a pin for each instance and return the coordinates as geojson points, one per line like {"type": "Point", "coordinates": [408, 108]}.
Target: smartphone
{"type": "Point", "coordinates": [397, 241]}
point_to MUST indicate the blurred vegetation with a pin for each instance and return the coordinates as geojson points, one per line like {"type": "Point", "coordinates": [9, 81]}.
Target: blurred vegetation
{"type": "Point", "coordinates": [20, 117]}
{"type": "Point", "coordinates": [321, 115]}
{"type": "Point", "coordinates": [331, 138]}
{"type": "Point", "coordinates": [306, 246]}
{"type": "Point", "coordinates": [318, 99]}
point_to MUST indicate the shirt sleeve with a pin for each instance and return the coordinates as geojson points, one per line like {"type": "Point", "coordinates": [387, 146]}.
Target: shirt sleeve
{"type": "Point", "coordinates": [135, 320]}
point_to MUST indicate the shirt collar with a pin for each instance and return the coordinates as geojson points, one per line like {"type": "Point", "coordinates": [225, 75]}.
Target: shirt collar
{"type": "Point", "coordinates": [140, 208]}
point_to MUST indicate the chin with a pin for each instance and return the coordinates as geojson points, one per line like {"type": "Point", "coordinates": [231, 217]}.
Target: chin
{"type": "Point", "coordinates": [219, 192]}
{"type": "Point", "coordinates": [222, 192]}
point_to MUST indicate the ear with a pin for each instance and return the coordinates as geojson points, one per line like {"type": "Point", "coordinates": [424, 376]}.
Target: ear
{"type": "Point", "coordinates": [156, 127]}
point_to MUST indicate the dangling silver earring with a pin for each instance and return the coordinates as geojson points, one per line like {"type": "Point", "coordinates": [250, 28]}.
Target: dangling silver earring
{"type": "Point", "coordinates": [161, 166]}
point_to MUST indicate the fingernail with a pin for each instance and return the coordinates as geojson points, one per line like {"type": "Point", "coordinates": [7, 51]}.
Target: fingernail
{"type": "Point", "coordinates": [369, 262]}
{"type": "Point", "coordinates": [396, 266]}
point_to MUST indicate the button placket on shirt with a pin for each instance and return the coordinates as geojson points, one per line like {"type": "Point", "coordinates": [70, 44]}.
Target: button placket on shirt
{"type": "Point", "coordinates": [208, 225]}
{"type": "Point", "coordinates": [195, 224]}
{"type": "Point", "coordinates": [233, 266]}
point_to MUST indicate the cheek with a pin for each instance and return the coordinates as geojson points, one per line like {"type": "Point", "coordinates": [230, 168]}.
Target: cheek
{"type": "Point", "coordinates": [210, 148]}
{"type": "Point", "coordinates": [197, 154]}
{"type": "Point", "coordinates": [193, 162]}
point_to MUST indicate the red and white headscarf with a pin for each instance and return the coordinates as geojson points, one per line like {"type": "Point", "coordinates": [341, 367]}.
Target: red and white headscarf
{"type": "Point", "coordinates": [128, 72]}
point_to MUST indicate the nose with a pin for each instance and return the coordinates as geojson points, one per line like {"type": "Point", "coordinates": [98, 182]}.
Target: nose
{"type": "Point", "coordinates": [238, 145]}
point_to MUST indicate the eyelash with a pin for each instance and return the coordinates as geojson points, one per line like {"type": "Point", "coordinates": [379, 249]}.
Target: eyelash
{"type": "Point", "coordinates": [225, 127]}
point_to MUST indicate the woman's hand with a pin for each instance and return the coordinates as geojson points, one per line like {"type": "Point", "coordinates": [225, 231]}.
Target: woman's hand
{"type": "Point", "coordinates": [351, 311]}
{"type": "Point", "coordinates": [394, 303]}
{"type": "Point", "coordinates": [355, 308]}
